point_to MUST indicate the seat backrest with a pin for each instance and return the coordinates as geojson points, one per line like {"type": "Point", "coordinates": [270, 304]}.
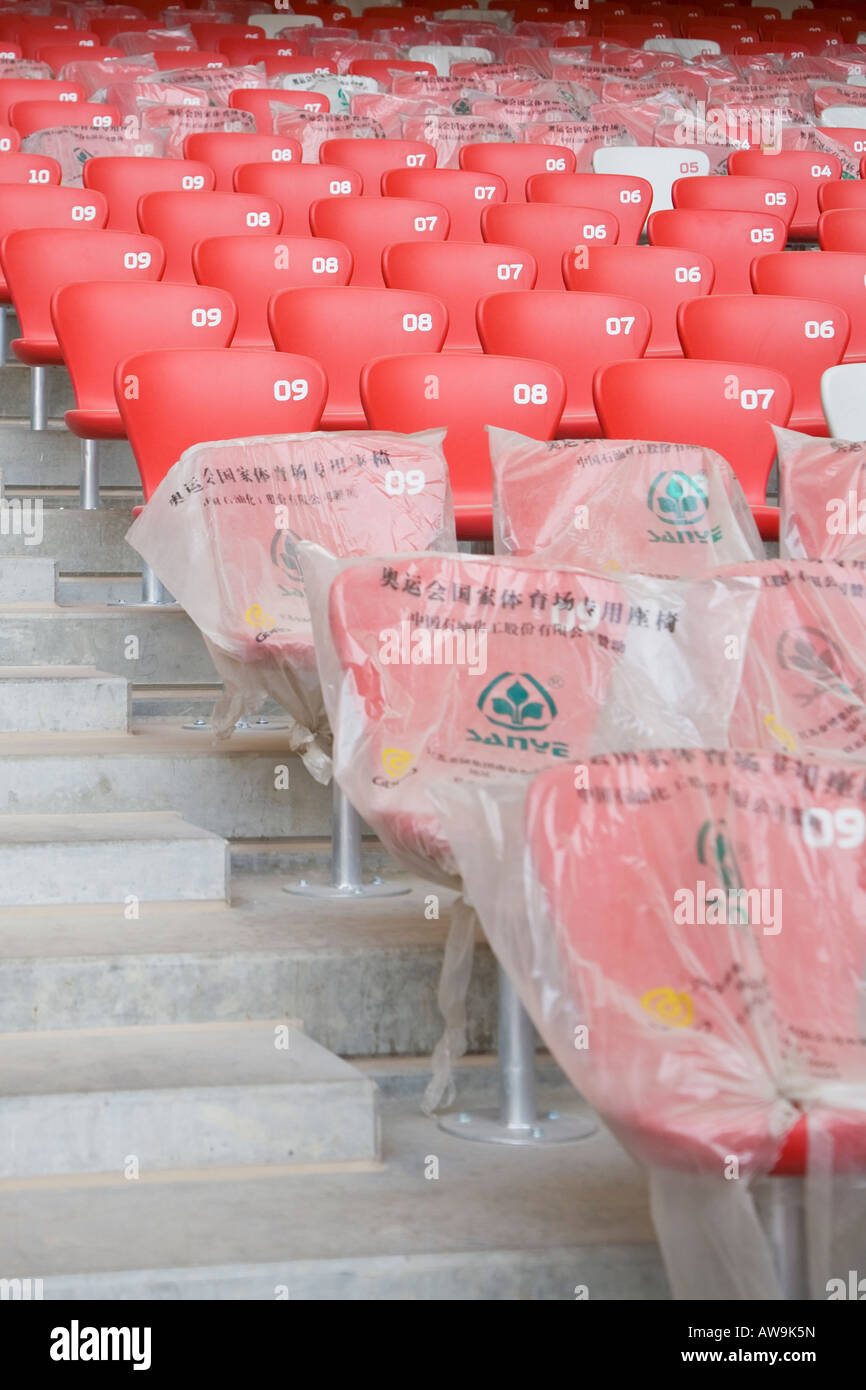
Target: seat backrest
{"type": "Point", "coordinates": [179, 220]}
{"type": "Point", "coordinates": [800, 338]}
{"type": "Point", "coordinates": [32, 169]}
{"type": "Point", "coordinates": [251, 271]}
{"type": "Point", "coordinates": [737, 193]}
{"type": "Point", "coordinates": [296, 187]}
{"type": "Point", "coordinates": [30, 116]}
{"type": "Point", "coordinates": [14, 89]}
{"type": "Point", "coordinates": [380, 69]}
{"type": "Point", "coordinates": [844, 193]}
{"type": "Point", "coordinates": [462, 273]}
{"type": "Point", "coordinates": [344, 329]}
{"type": "Point", "coordinates": [659, 277]}
{"type": "Point", "coordinates": [464, 393]}
{"type": "Point", "coordinates": [805, 169]}
{"type": "Point", "coordinates": [659, 165]}
{"type": "Point", "coordinates": [843, 399]}
{"type": "Point", "coordinates": [100, 323]}
{"type": "Point", "coordinates": [123, 179]}
{"type": "Point", "coordinates": [732, 240]}
{"type": "Point", "coordinates": [39, 260]}
{"type": "Point", "coordinates": [726, 406]}
{"type": "Point", "coordinates": [57, 55]}
{"type": "Point", "coordinates": [373, 158]}
{"type": "Point", "coordinates": [462, 192]}
{"type": "Point", "coordinates": [29, 206]}
{"type": "Point", "coordinates": [549, 231]}
{"type": "Point", "coordinates": [368, 225]}
{"type": "Point", "coordinates": [171, 399]}
{"type": "Point", "coordinates": [839, 277]}
{"type": "Point", "coordinates": [225, 151]}
{"type": "Point", "coordinates": [259, 102]}
{"type": "Point", "coordinates": [625, 195]}
{"type": "Point", "coordinates": [10, 140]}
{"type": "Point", "coordinates": [576, 333]}
{"type": "Point", "coordinates": [843, 229]}
{"type": "Point", "coordinates": [517, 163]}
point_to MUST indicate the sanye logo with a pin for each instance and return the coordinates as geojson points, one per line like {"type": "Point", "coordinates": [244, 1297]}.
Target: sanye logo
{"type": "Point", "coordinates": [77, 1343]}
{"type": "Point", "coordinates": [846, 516]}
{"type": "Point", "coordinates": [422, 646]}
{"type": "Point", "coordinates": [732, 907]}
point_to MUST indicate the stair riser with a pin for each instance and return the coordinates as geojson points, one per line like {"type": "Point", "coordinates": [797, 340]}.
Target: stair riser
{"type": "Point", "coordinates": [103, 872]}
{"type": "Point", "coordinates": [169, 651]}
{"type": "Point", "coordinates": [27, 579]}
{"type": "Point", "coordinates": [82, 542]}
{"type": "Point", "coordinates": [40, 459]}
{"type": "Point", "coordinates": [63, 706]}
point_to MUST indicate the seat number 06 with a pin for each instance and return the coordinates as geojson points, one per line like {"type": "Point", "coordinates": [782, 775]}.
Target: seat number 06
{"type": "Point", "coordinates": [536, 394]}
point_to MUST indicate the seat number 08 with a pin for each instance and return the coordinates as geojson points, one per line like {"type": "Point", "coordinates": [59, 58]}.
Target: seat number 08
{"type": "Point", "coordinates": [536, 394]}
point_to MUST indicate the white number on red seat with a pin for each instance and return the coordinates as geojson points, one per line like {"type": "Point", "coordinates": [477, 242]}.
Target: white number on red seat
{"type": "Point", "coordinates": [206, 318]}
{"type": "Point", "coordinates": [417, 323]}
{"type": "Point", "coordinates": [536, 394]}
{"type": "Point", "coordinates": [291, 390]}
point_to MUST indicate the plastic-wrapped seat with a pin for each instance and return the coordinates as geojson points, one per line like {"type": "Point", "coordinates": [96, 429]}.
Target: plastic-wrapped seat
{"type": "Point", "coordinates": [800, 338]}
{"type": "Point", "coordinates": [225, 151]}
{"type": "Point", "coordinates": [296, 187]}
{"type": "Point", "coordinates": [374, 158]}
{"type": "Point", "coordinates": [576, 333]}
{"type": "Point", "coordinates": [464, 393]}
{"type": "Point", "coordinates": [549, 231]}
{"type": "Point", "coordinates": [252, 270]}
{"type": "Point", "coordinates": [732, 240]}
{"type": "Point", "coordinates": [345, 328]}
{"type": "Point", "coordinates": [839, 277]}
{"type": "Point", "coordinates": [659, 277]}
{"type": "Point", "coordinates": [805, 169]}
{"type": "Point", "coordinates": [462, 273]}
{"type": "Point", "coordinates": [726, 406]}
{"type": "Point", "coordinates": [516, 163]}
{"type": "Point", "coordinates": [626, 196]}
{"type": "Point", "coordinates": [99, 324]}
{"type": "Point", "coordinates": [464, 193]}
{"type": "Point", "coordinates": [124, 179]}
{"type": "Point", "coordinates": [179, 220]}
{"type": "Point", "coordinates": [368, 225]}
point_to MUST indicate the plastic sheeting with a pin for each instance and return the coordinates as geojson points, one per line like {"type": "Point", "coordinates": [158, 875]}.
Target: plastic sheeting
{"type": "Point", "coordinates": [482, 669]}
{"type": "Point", "coordinates": [822, 490]}
{"type": "Point", "coordinates": [222, 531]}
{"type": "Point", "coordinates": [687, 931]}
{"type": "Point", "coordinates": [648, 508]}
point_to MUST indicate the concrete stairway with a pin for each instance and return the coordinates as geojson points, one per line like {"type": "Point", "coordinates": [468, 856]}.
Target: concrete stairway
{"type": "Point", "coordinates": [177, 1115]}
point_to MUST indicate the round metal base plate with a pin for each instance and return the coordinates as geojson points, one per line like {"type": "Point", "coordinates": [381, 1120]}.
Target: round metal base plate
{"type": "Point", "coordinates": [486, 1127]}
{"type": "Point", "coordinates": [376, 888]}
{"type": "Point", "coordinates": [203, 726]}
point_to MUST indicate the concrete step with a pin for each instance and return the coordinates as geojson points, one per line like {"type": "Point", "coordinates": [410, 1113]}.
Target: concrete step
{"type": "Point", "coordinates": [484, 1222]}
{"type": "Point", "coordinates": [99, 589]}
{"type": "Point", "coordinates": [55, 858]}
{"type": "Point", "coordinates": [62, 699]}
{"type": "Point", "coordinates": [361, 976]}
{"type": "Point", "coordinates": [147, 646]}
{"type": "Point", "coordinates": [236, 787]}
{"type": "Point", "coordinates": [81, 542]}
{"type": "Point", "coordinates": [130, 1101]}
{"type": "Point", "coordinates": [27, 579]}
{"type": "Point", "coordinates": [39, 459]}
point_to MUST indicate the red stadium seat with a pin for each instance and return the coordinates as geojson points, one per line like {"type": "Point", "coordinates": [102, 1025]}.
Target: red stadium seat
{"type": "Point", "coordinates": [30, 116]}
{"type": "Point", "coordinates": [576, 333]}
{"type": "Point", "coordinates": [10, 140]}
{"type": "Point", "coordinates": [257, 100]}
{"type": "Point", "coordinates": [732, 240]}
{"type": "Point", "coordinates": [844, 193]}
{"type": "Point", "coordinates": [737, 193]}
{"type": "Point", "coordinates": [168, 60]}
{"type": "Point", "coordinates": [343, 329]}
{"type": "Point", "coordinates": [179, 220]}
{"type": "Point", "coordinates": [13, 89]}
{"type": "Point", "coordinates": [625, 195]}
{"type": "Point", "coordinates": [726, 406]}
{"type": "Point", "coordinates": [368, 225]}
{"type": "Point", "coordinates": [31, 169]}
{"type": "Point", "coordinates": [208, 33]}
{"type": "Point", "coordinates": [548, 231]}
{"type": "Point", "coordinates": [659, 277]}
{"type": "Point", "coordinates": [57, 55]}
{"type": "Point", "coordinates": [800, 338]}
{"type": "Point", "coordinates": [517, 163]}
{"type": "Point", "coordinates": [461, 273]}
{"type": "Point", "coordinates": [124, 179]}
{"type": "Point", "coordinates": [373, 158]}
{"type": "Point", "coordinates": [805, 169]}
{"type": "Point", "coordinates": [839, 277]}
{"type": "Point", "coordinates": [243, 52]}
{"type": "Point", "coordinates": [23, 205]}
{"type": "Point", "coordinates": [463, 193]}
{"type": "Point", "coordinates": [251, 271]}
{"type": "Point", "coordinates": [171, 399]}
{"type": "Point", "coordinates": [296, 187]}
{"type": "Point", "coordinates": [380, 69]}
{"type": "Point", "coordinates": [225, 151]}
{"type": "Point", "coordinates": [464, 394]}
{"type": "Point", "coordinates": [843, 229]}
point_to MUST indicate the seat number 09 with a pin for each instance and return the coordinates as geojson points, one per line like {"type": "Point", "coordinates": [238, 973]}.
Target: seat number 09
{"type": "Point", "coordinates": [136, 260]}
{"type": "Point", "coordinates": [411, 482]}
{"type": "Point", "coordinates": [206, 318]}
{"type": "Point", "coordinates": [845, 827]}
{"type": "Point", "coordinates": [291, 390]}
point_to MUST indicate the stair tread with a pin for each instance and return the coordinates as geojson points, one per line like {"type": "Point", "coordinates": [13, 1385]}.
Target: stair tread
{"type": "Point", "coordinates": [95, 828]}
